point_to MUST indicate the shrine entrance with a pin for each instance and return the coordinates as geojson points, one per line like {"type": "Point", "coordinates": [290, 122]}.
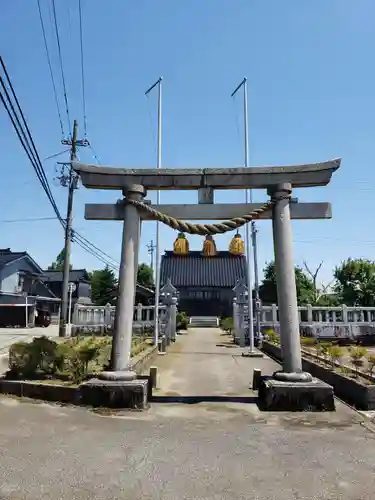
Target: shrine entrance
{"type": "Point", "coordinates": [133, 208]}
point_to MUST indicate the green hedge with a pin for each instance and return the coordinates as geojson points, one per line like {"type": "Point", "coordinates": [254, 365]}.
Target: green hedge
{"type": "Point", "coordinates": [73, 359]}
{"type": "Point", "coordinates": [182, 321]}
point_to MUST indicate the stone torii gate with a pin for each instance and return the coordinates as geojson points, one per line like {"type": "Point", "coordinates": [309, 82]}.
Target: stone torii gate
{"type": "Point", "coordinates": [286, 385]}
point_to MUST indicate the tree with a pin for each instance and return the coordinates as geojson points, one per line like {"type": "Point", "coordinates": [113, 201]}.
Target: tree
{"type": "Point", "coordinates": [268, 290]}
{"type": "Point", "coordinates": [145, 276]}
{"type": "Point", "coordinates": [103, 286]}
{"type": "Point", "coordinates": [320, 295]}
{"type": "Point", "coordinates": [58, 264]}
{"type": "Point", "coordinates": [355, 282]}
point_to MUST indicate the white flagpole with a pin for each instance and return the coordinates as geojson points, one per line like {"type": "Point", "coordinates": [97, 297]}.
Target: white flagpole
{"type": "Point", "coordinates": [248, 197]}
{"type": "Point", "coordinates": [157, 249]}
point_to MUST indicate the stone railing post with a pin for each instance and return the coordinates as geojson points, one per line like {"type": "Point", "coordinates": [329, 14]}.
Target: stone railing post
{"type": "Point", "coordinates": [139, 312]}
{"type": "Point", "coordinates": [274, 315]}
{"type": "Point", "coordinates": [108, 316]}
{"type": "Point", "coordinates": [173, 319]}
{"type": "Point", "coordinates": [168, 295]}
{"type": "Point", "coordinates": [344, 313]}
{"type": "Point", "coordinates": [235, 321]}
{"type": "Point", "coordinates": [309, 313]}
{"type": "Point", "coordinates": [241, 301]}
{"type": "Point", "coordinates": [75, 320]}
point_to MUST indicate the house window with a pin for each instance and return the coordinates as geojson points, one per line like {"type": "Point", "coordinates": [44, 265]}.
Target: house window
{"type": "Point", "coordinates": [21, 280]}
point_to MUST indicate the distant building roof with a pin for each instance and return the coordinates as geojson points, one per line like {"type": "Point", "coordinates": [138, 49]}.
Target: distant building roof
{"type": "Point", "coordinates": [75, 275]}
{"type": "Point", "coordinates": [42, 290]}
{"type": "Point", "coordinates": [195, 270]}
{"type": "Point", "coordinates": [7, 256]}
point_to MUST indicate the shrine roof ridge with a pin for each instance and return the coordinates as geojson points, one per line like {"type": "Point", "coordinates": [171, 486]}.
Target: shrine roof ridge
{"type": "Point", "coordinates": [306, 175]}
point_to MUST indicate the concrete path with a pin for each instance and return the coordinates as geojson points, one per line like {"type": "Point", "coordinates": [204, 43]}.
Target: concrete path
{"type": "Point", "coordinates": [221, 450]}
{"type": "Point", "coordinates": [205, 362]}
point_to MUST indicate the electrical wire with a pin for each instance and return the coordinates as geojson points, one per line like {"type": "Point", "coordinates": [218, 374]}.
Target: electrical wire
{"type": "Point", "coordinates": [26, 138]}
{"type": "Point", "coordinates": [50, 68]}
{"type": "Point", "coordinates": [82, 68]}
{"type": "Point", "coordinates": [82, 238]}
{"type": "Point", "coordinates": [56, 154]}
{"type": "Point", "coordinates": [33, 219]}
{"type": "Point", "coordinates": [24, 135]}
{"type": "Point", "coordinates": [94, 154]}
{"type": "Point", "coordinates": [61, 62]}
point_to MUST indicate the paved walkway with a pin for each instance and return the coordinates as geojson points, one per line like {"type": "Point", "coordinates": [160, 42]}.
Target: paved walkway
{"type": "Point", "coordinates": [205, 362]}
{"type": "Point", "coordinates": [221, 450]}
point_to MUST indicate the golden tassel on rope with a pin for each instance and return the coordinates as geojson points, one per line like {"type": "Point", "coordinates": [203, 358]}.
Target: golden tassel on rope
{"type": "Point", "coordinates": [209, 247]}
{"type": "Point", "coordinates": [181, 245]}
{"type": "Point", "coordinates": [237, 245]}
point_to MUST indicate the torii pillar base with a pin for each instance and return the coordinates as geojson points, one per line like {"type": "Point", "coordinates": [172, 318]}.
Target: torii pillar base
{"type": "Point", "coordinates": [283, 395]}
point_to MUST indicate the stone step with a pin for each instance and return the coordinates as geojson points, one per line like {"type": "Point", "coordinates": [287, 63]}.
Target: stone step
{"type": "Point", "coordinates": [204, 322]}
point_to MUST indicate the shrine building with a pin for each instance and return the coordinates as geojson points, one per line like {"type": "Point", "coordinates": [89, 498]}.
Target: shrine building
{"type": "Point", "coordinates": [204, 279]}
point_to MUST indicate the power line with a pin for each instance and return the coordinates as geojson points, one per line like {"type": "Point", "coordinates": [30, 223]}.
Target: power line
{"type": "Point", "coordinates": [61, 61]}
{"type": "Point", "coordinates": [50, 69]}
{"type": "Point", "coordinates": [82, 68]}
{"type": "Point", "coordinates": [24, 135]}
{"type": "Point", "coordinates": [32, 219]}
{"type": "Point", "coordinates": [56, 154]}
{"type": "Point", "coordinates": [82, 238]}
{"type": "Point", "coordinates": [26, 138]}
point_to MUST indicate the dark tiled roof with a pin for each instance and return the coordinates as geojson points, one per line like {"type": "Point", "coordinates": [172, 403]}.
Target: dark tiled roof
{"type": "Point", "coordinates": [6, 256]}
{"type": "Point", "coordinates": [143, 290]}
{"type": "Point", "coordinates": [74, 275]}
{"type": "Point", "coordinates": [43, 291]}
{"type": "Point", "coordinates": [195, 270]}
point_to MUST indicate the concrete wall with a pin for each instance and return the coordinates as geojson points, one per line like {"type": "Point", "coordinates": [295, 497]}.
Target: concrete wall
{"type": "Point", "coordinates": [83, 290]}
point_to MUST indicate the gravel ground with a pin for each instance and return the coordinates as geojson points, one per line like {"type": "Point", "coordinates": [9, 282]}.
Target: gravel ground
{"type": "Point", "coordinates": [206, 451]}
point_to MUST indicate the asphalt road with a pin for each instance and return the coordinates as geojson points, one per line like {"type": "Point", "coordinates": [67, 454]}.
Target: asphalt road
{"type": "Point", "coordinates": [206, 451]}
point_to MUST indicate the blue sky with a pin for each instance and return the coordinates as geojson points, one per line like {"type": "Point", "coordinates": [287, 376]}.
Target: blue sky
{"type": "Point", "coordinates": [311, 81]}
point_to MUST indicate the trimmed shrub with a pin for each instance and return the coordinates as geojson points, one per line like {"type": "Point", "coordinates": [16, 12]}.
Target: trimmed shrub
{"type": "Point", "coordinates": [27, 359]}
{"type": "Point", "coordinates": [74, 359]}
{"type": "Point", "coordinates": [308, 341]}
{"type": "Point", "coordinates": [226, 324]}
{"type": "Point", "coordinates": [272, 336]}
{"type": "Point", "coordinates": [182, 321]}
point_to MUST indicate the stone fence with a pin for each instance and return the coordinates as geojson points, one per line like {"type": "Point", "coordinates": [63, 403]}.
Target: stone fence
{"type": "Point", "coordinates": [315, 321]}
{"type": "Point", "coordinates": [102, 318]}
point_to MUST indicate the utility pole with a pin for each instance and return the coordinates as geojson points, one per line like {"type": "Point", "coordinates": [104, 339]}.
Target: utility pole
{"type": "Point", "coordinates": [158, 83]}
{"type": "Point", "coordinates": [151, 249]}
{"type": "Point", "coordinates": [70, 180]}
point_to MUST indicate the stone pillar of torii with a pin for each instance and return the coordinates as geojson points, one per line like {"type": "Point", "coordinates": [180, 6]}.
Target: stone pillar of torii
{"type": "Point", "coordinates": [278, 182]}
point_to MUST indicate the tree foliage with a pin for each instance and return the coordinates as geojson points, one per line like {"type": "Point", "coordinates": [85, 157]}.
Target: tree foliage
{"type": "Point", "coordinates": [268, 290]}
{"type": "Point", "coordinates": [145, 275]}
{"type": "Point", "coordinates": [103, 286]}
{"type": "Point", "coordinates": [104, 283]}
{"type": "Point", "coordinates": [355, 282]}
{"type": "Point", "coordinates": [58, 264]}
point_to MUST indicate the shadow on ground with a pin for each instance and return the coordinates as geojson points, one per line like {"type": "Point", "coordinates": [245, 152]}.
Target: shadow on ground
{"type": "Point", "coordinates": [190, 400]}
